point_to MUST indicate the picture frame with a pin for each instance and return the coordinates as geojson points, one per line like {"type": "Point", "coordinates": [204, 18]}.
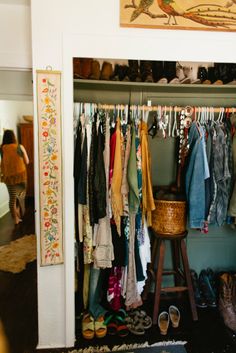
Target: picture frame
{"type": "Point", "coordinates": [208, 15]}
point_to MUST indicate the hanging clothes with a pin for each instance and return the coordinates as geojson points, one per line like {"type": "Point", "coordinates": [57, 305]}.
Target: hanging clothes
{"type": "Point", "coordinates": [104, 251]}
{"type": "Point", "coordinates": [148, 204]}
{"type": "Point", "coordinates": [77, 170]}
{"type": "Point", "coordinates": [219, 208]}
{"type": "Point", "coordinates": [116, 196]}
{"type": "Point", "coordinates": [197, 171]}
{"type": "Point", "coordinates": [132, 176]}
{"type": "Point", "coordinates": [232, 205]}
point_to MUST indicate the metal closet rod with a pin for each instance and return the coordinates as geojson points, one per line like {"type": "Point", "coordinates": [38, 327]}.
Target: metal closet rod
{"type": "Point", "coordinates": [162, 107]}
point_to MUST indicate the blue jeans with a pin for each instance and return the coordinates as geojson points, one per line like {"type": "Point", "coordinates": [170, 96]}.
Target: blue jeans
{"type": "Point", "coordinates": [95, 293]}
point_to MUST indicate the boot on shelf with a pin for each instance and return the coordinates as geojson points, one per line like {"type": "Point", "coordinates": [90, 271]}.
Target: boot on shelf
{"type": "Point", "coordinates": [170, 72]}
{"type": "Point", "coordinates": [226, 299]}
{"type": "Point", "coordinates": [124, 73]}
{"type": "Point", "coordinates": [95, 70]}
{"type": "Point", "coordinates": [146, 70]}
{"type": "Point", "coordinates": [134, 73]}
{"type": "Point", "coordinates": [115, 74]}
{"type": "Point", "coordinates": [158, 72]}
{"type": "Point", "coordinates": [106, 71]}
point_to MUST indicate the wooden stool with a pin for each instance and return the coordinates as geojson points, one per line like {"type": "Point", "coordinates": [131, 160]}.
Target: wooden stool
{"type": "Point", "coordinates": [178, 248]}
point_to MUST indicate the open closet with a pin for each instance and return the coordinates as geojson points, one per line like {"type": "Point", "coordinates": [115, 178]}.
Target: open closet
{"type": "Point", "coordinates": [101, 105]}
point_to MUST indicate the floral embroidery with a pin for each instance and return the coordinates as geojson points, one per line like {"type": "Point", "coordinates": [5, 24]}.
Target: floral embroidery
{"type": "Point", "coordinates": [50, 168]}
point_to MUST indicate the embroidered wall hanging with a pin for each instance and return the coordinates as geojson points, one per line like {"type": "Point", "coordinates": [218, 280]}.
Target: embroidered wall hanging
{"type": "Point", "coordinates": [50, 166]}
{"type": "Point", "coordinates": [208, 15]}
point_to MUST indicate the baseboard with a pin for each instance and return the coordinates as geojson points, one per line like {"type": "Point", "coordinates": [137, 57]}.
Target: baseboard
{"type": "Point", "coordinates": [4, 209]}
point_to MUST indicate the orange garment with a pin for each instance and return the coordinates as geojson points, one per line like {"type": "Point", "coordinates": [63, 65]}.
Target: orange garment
{"type": "Point", "coordinates": [12, 165]}
{"type": "Point", "coordinates": [116, 196]}
{"type": "Point", "coordinates": [148, 204]}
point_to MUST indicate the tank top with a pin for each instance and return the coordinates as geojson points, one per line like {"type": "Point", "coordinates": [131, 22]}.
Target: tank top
{"type": "Point", "coordinates": [13, 165]}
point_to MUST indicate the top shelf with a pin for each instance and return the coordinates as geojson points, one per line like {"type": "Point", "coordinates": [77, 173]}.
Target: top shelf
{"type": "Point", "coordinates": [154, 87]}
{"type": "Point", "coordinates": [122, 92]}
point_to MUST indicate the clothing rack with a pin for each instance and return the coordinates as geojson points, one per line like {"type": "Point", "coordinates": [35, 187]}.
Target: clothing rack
{"type": "Point", "coordinates": [153, 108]}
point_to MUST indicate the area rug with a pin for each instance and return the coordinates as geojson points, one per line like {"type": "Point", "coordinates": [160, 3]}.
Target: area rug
{"type": "Point", "coordinates": [15, 255]}
{"type": "Point", "coordinates": [159, 347]}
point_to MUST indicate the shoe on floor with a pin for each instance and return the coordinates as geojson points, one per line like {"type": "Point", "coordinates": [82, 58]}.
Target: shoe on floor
{"type": "Point", "coordinates": [199, 298]}
{"type": "Point", "coordinates": [206, 289]}
{"type": "Point", "coordinates": [163, 322]}
{"type": "Point", "coordinates": [174, 315]}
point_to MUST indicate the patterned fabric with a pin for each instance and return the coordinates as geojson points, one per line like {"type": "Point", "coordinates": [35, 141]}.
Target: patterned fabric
{"type": "Point", "coordinates": [87, 236]}
{"type": "Point", "coordinates": [17, 192]}
{"type": "Point", "coordinates": [133, 299]}
{"type": "Point", "coordinates": [114, 289]}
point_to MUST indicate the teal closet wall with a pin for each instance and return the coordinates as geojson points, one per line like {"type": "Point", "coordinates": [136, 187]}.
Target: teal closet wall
{"type": "Point", "coordinates": [217, 249]}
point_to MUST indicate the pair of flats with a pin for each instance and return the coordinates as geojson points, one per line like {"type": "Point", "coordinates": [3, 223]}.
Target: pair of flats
{"type": "Point", "coordinates": [165, 318]}
{"type": "Point", "coordinates": [92, 327]}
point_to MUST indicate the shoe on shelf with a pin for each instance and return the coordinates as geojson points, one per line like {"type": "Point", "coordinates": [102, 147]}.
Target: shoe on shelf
{"type": "Point", "coordinates": [199, 298]}
{"type": "Point", "coordinates": [206, 288]}
{"type": "Point", "coordinates": [134, 74]}
{"type": "Point", "coordinates": [163, 322]}
{"type": "Point", "coordinates": [174, 315]}
{"type": "Point", "coordinates": [181, 75]}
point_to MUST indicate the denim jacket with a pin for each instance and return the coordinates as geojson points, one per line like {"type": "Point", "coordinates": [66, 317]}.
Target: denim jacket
{"type": "Point", "coordinates": [197, 171]}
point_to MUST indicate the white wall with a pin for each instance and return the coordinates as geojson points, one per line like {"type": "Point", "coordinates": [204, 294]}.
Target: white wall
{"type": "Point", "coordinates": [15, 35]}
{"type": "Point", "coordinates": [91, 28]}
{"type": "Point", "coordinates": [11, 113]}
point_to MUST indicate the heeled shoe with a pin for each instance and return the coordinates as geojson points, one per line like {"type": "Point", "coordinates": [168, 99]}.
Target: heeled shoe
{"type": "Point", "coordinates": [163, 322]}
{"type": "Point", "coordinates": [174, 315]}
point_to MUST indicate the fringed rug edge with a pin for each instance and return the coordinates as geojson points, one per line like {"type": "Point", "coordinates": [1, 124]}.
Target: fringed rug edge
{"type": "Point", "coordinates": [123, 347]}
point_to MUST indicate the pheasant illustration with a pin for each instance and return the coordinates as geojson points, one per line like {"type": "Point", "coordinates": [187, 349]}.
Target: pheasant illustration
{"type": "Point", "coordinates": [142, 7]}
{"type": "Point", "coordinates": [211, 15]}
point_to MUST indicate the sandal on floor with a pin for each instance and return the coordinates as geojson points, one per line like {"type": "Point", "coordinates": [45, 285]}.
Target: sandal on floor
{"type": "Point", "coordinates": [100, 327]}
{"type": "Point", "coordinates": [88, 327]}
{"type": "Point", "coordinates": [174, 315]}
{"type": "Point", "coordinates": [110, 322]}
{"type": "Point", "coordinates": [136, 328]}
{"type": "Point", "coordinates": [120, 317]}
{"type": "Point", "coordinates": [144, 319]}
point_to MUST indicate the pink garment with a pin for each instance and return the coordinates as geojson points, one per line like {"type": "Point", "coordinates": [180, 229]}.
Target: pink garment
{"type": "Point", "coordinates": [114, 288]}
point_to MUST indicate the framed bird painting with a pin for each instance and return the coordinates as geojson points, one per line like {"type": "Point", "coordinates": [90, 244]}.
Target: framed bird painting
{"type": "Point", "coordinates": [216, 15]}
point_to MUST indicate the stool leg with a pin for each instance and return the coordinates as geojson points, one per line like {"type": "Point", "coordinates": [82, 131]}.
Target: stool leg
{"type": "Point", "coordinates": [150, 271]}
{"type": "Point", "coordinates": [160, 263]}
{"type": "Point", "coordinates": [176, 260]}
{"type": "Point", "coordinates": [188, 279]}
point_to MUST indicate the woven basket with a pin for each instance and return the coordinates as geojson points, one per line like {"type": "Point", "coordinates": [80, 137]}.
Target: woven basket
{"type": "Point", "coordinates": [169, 217]}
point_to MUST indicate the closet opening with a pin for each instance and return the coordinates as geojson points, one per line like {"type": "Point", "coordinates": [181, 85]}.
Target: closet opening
{"type": "Point", "coordinates": [156, 109]}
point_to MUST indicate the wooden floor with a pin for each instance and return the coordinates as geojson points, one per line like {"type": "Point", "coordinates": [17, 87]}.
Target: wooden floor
{"type": "Point", "coordinates": [18, 292]}
{"type": "Point", "coordinates": [18, 310]}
